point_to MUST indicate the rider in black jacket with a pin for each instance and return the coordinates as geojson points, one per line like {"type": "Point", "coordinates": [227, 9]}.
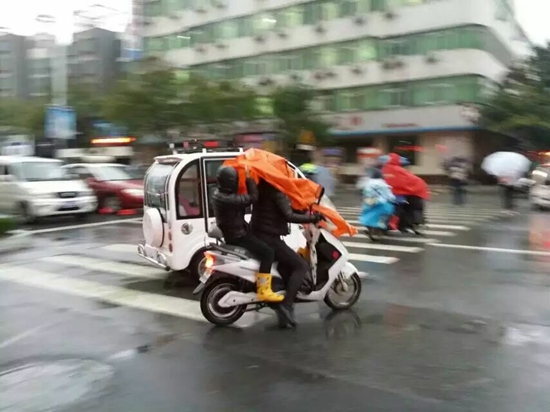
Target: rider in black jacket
{"type": "Point", "coordinates": [270, 221]}
{"type": "Point", "coordinates": [229, 209]}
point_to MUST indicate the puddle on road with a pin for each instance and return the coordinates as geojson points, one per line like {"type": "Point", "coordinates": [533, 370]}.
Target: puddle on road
{"type": "Point", "coordinates": [52, 385]}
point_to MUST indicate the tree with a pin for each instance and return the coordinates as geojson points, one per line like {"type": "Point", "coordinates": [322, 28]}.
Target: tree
{"type": "Point", "coordinates": [292, 107]}
{"type": "Point", "coordinates": [521, 106]}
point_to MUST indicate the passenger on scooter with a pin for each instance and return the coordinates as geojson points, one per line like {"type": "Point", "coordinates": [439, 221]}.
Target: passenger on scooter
{"type": "Point", "coordinates": [229, 209]}
{"type": "Point", "coordinates": [270, 221]}
{"type": "Point", "coordinates": [412, 188]}
{"type": "Point", "coordinates": [378, 202]}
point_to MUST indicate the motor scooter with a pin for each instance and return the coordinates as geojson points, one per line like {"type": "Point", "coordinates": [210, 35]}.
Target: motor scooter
{"type": "Point", "coordinates": [228, 283]}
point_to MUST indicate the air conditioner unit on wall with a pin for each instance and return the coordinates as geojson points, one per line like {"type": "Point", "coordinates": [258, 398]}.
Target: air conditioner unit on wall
{"type": "Point", "coordinates": [259, 38]}
{"type": "Point", "coordinates": [319, 75]}
{"type": "Point", "coordinates": [393, 62]}
{"type": "Point", "coordinates": [390, 14]}
{"type": "Point", "coordinates": [359, 20]}
{"type": "Point", "coordinates": [266, 81]}
{"type": "Point", "coordinates": [432, 57]}
{"type": "Point", "coordinates": [296, 77]}
{"type": "Point", "coordinates": [200, 9]}
{"type": "Point", "coordinates": [357, 70]}
{"type": "Point", "coordinates": [174, 16]}
{"type": "Point", "coordinates": [221, 45]}
{"type": "Point", "coordinates": [201, 48]}
{"type": "Point", "coordinates": [282, 34]}
{"type": "Point", "coordinates": [220, 4]}
{"type": "Point", "coordinates": [320, 28]}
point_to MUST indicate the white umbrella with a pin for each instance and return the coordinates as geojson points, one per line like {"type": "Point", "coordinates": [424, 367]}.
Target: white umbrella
{"type": "Point", "coordinates": [508, 165]}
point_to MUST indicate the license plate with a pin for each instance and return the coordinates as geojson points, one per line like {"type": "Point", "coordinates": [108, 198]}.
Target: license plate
{"type": "Point", "coordinates": [70, 205]}
{"type": "Point", "coordinates": [205, 276]}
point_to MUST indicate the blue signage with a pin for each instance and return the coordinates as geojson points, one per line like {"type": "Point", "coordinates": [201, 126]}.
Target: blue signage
{"type": "Point", "coordinates": [60, 122]}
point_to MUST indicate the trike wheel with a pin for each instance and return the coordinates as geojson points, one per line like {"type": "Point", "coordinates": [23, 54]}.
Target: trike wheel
{"type": "Point", "coordinates": [339, 299]}
{"type": "Point", "coordinates": [210, 303]}
{"type": "Point", "coordinates": [197, 265]}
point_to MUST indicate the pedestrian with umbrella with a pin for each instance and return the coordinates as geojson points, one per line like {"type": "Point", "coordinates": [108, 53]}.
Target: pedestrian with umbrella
{"type": "Point", "coordinates": [508, 168]}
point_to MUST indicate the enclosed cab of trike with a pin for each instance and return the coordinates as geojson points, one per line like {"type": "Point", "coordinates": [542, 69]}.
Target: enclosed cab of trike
{"type": "Point", "coordinates": [178, 210]}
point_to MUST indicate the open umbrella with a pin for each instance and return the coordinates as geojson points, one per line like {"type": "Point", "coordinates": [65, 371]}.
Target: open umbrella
{"type": "Point", "coordinates": [506, 165]}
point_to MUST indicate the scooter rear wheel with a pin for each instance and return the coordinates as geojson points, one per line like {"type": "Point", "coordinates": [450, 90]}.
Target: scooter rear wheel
{"type": "Point", "coordinates": [210, 299]}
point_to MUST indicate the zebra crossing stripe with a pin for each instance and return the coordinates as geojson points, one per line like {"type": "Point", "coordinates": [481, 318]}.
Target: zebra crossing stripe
{"type": "Point", "coordinates": [125, 269]}
{"type": "Point", "coordinates": [376, 246]}
{"type": "Point", "coordinates": [152, 302]}
{"type": "Point", "coordinates": [386, 260]}
{"type": "Point", "coordinates": [429, 225]}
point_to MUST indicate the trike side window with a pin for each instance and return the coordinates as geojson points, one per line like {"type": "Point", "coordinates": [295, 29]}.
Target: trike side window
{"type": "Point", "coordinates": [211, 170]}
{"type": "Point", "coordinates": [188, 193]}
{"type": "Point", "coordinates": [155, 186]}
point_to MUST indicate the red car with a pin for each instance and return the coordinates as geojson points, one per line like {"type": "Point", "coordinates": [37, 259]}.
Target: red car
{"type": "Point", "coordinates": [114, 187]}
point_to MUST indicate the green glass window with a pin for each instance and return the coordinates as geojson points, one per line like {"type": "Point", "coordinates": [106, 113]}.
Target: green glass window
{"type": "Point", "coordinates": [348, 8]}
{"type": "Point", "coordinates": [312, 13]}
{"type": "Point", "coordinates": [343, 101]}
{"type": "Point", "coordinates": [311, 58]}
{"type": "Point", "coordinates": [328, 56]}
{"type": "Point", "coordinates": [263, 23]}
{"type": "Point", "coordinates": [196, 36]}
{"type": "Point", "coordinates": [366, 50]}
{"type": "Point", "coordinates": [184, 39]}
{"type": "Point", "coordinates": [171, 6]}
{"type": "Point", "coordinates": [346, 53]}
{"type": "Point", "coordinates": [329, 10]}
{"type": "Point", "coordinates": [379, 5]}
{"type": "Point", "coordinates": [227, 30]}
{"type": "Point", "coordinates": [295, 16]}
{"type": "Point", "coordinates": [244, 26]}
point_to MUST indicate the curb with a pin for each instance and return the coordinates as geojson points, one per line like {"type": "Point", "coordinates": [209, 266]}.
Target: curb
{"type": "Point", "coordinates": [17, 240]}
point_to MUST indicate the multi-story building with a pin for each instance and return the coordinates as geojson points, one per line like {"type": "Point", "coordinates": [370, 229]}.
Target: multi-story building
{"type": "Point", "coordinates": [39, 54]}
{"type": "Point", "coordinates": [401, 75]}
{"type": "Point", "coordinates": [13, 82]}
{"type": "Point", "coordinates": [94, 58]}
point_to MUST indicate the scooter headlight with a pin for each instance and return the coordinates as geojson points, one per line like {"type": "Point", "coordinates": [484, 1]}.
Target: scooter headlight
{"type": "Point", "coordinates": [209, 263]}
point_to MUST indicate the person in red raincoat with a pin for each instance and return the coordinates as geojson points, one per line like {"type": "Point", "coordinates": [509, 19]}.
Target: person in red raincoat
{"type": "Point", "coordinates": [409, 186]}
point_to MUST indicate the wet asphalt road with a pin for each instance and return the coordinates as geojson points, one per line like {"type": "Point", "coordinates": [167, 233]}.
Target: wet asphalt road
{"type": "Point", "coordinates": [438, 327]}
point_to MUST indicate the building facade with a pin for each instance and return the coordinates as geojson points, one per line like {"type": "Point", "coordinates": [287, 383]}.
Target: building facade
{"type": "Point", "coordinates": [40, 50]}
{"type": "Point", "coordinates": [94, 58]}
{"type": "Point", "coordinates": [400, 75]}
{"type": "Point", "coordinates": [13, 66]}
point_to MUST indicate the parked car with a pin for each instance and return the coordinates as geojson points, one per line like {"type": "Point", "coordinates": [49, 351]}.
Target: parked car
{"type": "Point", "coordinates": [540, 190]}
{"type": "Point", "coordinates": [34, 187]}
{"type": "Point", "coordinates": [114, 187]}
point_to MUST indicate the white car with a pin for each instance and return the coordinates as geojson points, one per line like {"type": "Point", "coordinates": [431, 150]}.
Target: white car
{"type": "Point", "coordinates": [33, 187]}
{"type": "Point", "coordinates": [540, 190]}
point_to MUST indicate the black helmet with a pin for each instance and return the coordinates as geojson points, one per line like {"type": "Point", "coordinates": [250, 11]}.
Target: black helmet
{"type": "Point", "coordinates": [228, 179]}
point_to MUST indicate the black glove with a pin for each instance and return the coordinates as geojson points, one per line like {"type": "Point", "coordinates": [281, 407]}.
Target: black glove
{"type": "Point", "coordinates": [317, 217]}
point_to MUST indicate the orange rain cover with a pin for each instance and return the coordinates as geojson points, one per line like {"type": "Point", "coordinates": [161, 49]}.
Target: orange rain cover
{"type": "Point", "coordinates": [303, 193]}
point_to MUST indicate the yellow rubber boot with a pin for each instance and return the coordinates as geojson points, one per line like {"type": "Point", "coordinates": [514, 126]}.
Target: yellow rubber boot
{"type": "Point", "coordinates": [263, 289]}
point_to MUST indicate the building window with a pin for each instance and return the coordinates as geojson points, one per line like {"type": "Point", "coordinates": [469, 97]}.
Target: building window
{"type": "Point", "coordinates": [393, 97]}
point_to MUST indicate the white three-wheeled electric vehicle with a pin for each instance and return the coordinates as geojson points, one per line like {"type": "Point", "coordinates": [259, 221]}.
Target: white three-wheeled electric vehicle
{"type": "Point", "coordinates": [178, 213]}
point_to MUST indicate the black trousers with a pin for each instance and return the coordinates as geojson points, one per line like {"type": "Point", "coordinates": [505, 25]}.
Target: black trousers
{"type": "Point", "coordinates": [508, 194]}
{"type": "Point", "coordinates": [459, 192]}
{"type": "Point", "coordinates": [411, 213]}
{"type": "Point", "coordinates": [259, 249]}
{"type": "Point", "coordinates": [292, 267]}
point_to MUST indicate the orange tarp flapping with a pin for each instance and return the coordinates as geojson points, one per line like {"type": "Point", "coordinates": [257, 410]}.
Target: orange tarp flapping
{"type": "Point", "coordinates": [303, 193]}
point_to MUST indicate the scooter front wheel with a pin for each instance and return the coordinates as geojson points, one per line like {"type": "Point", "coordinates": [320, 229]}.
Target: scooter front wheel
{"type": "Point", "coordinates": [338, 298]}
{"type": "Point", "coordinates": [210, 299]}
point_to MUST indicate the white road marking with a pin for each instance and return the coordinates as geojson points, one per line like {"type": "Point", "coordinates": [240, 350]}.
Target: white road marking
{"type": "Point", "coordinates": [397, 238]}
{"type": "Point", "coordinates": [354, 257]}
{"type": "Point", "coordinates": [121, 247]}
{"type": "Point", "coordinates": [183, 308]}
{"type": "Point", "coordinates": [492, 249]}
{"type": "Point", "coordinates": [429, 225]}
{"type": "Point", "coordinates": [376, 246]}
{"type": "Point", "coordinates": [437, 216]}
{"type": "Point", "coordinates": [25, 334]}
{"type": "Point", "coordinates": [82, 226]}
{"type": "Point", "coordinates": [120, 268]}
